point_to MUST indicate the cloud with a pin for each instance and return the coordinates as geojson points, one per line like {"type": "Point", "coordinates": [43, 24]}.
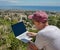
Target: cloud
{"type": "Point", "coordinates": [10, 1]}
{"type": "Point", "coordinates": [50, 3]}
{"type": "Point", "coordinates": [30, 2]}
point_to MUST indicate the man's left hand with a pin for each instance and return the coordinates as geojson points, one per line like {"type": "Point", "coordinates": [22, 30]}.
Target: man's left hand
{"type": "Point", "coordinates": [32, 46]}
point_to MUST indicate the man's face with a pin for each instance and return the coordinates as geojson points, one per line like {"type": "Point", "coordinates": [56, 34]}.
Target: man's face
{"type": "Point", "coordinates": [38, 25]}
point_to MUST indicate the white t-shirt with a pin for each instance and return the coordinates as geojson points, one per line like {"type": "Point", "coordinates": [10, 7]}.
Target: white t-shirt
{"type": "Point", "coordinates": [48, 38]}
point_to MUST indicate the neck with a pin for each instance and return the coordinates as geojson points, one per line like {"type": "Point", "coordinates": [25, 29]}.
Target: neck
{"type": "Point", "coordinates": [46, 24]}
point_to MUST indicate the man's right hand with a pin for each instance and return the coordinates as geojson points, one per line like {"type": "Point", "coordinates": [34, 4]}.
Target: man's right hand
{"type": "Point", "coordinates": [31, 34]}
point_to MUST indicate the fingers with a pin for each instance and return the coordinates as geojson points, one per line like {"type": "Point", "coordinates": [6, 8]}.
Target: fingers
{"type": "Point", "coordinates": [30, 34]}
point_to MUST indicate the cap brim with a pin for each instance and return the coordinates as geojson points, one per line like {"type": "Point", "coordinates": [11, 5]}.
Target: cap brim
{"type": "Point", "coordinates": [30, 16]}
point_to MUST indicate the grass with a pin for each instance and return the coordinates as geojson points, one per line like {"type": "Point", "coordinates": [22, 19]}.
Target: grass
{"type": "Point", "coordinates": [7, 38]}
{"type": "Point", "coordinates": [9, 42]}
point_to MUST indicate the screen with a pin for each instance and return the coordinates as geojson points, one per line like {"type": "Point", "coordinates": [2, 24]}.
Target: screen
{"type": "Point", "coordinates": [18, 28]}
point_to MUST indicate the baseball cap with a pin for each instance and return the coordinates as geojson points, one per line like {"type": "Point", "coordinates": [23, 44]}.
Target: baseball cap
{"type": "Point", "coordinates": [39, 16]}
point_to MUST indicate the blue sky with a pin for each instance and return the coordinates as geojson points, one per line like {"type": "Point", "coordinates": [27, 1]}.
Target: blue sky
{"type": "Point", "coordinates": [30, 2]}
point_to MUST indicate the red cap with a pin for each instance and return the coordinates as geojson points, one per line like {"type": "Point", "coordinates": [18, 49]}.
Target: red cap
{"type": "Point", "coordinates": [39, 16]}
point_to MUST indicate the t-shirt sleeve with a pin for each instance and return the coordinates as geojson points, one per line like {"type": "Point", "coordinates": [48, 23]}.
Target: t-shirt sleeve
{"type": "Point", "coordinates": [40, 41]}
{"type": "Point", "coordinates": [49, 33]}
{"type": "Point", "coordinates": [47, 36]}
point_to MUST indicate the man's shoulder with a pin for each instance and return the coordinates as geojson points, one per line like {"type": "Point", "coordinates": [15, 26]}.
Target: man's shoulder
{"type": "Point", "coordinates": [50, 31]}
{"type": "Point", "coordinates": [50, 28]}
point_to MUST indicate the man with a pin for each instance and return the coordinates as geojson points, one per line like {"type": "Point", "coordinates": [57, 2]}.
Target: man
{"type": "Point", "coordinates": [48, 37]}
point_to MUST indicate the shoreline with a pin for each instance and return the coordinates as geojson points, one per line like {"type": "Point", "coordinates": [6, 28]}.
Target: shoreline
{"type": "Point", "coordinates": [28, 10]}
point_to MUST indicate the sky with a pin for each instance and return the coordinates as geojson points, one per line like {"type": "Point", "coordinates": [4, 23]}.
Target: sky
{"type": "Point", "coordinates": [29, 2]}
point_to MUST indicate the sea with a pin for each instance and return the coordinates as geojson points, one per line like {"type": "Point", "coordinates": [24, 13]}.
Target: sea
{"type": "Point", "coordinates": [45, 8]}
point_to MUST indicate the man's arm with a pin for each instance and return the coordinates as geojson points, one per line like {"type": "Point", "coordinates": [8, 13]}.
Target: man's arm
{"type": "Point", "coordinates": [32, 46]}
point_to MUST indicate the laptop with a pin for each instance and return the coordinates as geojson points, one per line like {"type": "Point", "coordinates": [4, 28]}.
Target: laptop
{"type": "Point", "coordinates": [20, 32]}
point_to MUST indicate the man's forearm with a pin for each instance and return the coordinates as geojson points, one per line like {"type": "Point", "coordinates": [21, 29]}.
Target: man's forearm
{"type": "Point", "coordinates": [32, 46]}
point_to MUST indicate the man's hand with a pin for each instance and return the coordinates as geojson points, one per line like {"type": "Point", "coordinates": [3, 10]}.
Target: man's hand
{"type": "Point", "coordinates": [32, 46]}
{"type": "Point", "coordinates": [31, 34]}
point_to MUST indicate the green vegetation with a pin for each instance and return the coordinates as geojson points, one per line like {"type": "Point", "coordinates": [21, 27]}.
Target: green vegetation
{"type": "Point", "coordinates": [54, 20]}
{"type": "Point", "coordinates": [7, 38]}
